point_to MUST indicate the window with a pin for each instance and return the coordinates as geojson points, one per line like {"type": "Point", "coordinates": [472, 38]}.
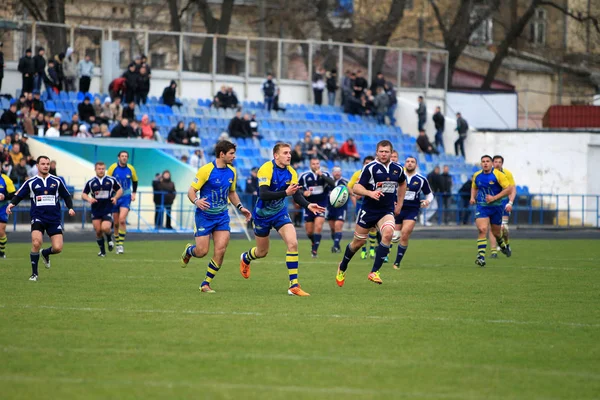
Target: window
{"type": "Point", "coordinates": [537, 28]}
{"type": "Point", "coordinates": [114, 10]}
{"type": "Point", "coordinates": [483, 34]}
{"type": "Point", "coordinates": [158, 60]}
{"type": "Point", "coordinates": [408, 4]}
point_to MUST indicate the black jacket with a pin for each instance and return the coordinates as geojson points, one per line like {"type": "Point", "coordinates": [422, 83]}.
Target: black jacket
{"type": "Point", "coordinates": [26, 65]}
{"type": "Point", "coordinates": [446, 183]}
{"type": "Point", "coordinates": [85, 111]}
{"type": "Point", "coordinates": [268, 88]}
{"type": "Point", "coordinates": [361, 83]}
{"type": "Point", "coordinates": [238, 128]}
{"type": "Point", "coordinates": [8, 118]}
{"type": "Point", "coordinates": [18, 173]}
{"type": "Point", "coordinates": [129, 113]}
{"type": "Point", "coordinates": [251, 185]}
{"type": "Point", "coordinates": [222, 99]}
{"type": "Point", "coordinates": [142, 85]}
{"type": "Point", "coordinates": [424, 144]}
{"type": "Point", "coordinates": [38, 105]}
{"type": "Point", "coordinates": [39, 63]}
{"type": "Point", "coordinates": [121, 131]}
{"type": "Point", "coordinates": [131, 80]}
{"type": "Point", "coordinates": [465, 190]}
{"type": "Point", "coordinates": [176, 135]}
{"type": "Point", "coordinates": [439, 121]}
{"type": "Point", "coordinates": [164, 192]}
{"type": "Point", "coordinates": [435, 181]}
{"type": "Point", "coordinates": [462, 126]}
{"type": "Point", "coordinates": [169, 93]}
{"type": "Point", "coordinates": [422, 112]}
{"type": "Point", "coordinates": [332, 84]}
{"type": "Point", "coordinates": [1, 64]}
{"type": "Point", "coordinates": [377, 83]}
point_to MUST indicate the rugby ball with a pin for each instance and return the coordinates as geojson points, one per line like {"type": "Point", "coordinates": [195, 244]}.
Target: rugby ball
{"type": "Point", "coordinates": [338, 196]}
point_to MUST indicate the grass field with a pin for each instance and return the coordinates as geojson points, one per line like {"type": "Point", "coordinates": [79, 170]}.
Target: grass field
{"type": "Point", "coordinates": [136, 326]}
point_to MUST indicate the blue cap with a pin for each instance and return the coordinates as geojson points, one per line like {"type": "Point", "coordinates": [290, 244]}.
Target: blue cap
{"type": "Point", "coordinates": [13, 101]}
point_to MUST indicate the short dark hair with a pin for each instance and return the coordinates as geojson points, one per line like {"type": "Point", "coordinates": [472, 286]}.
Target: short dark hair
{"type": "Point", "coordinates": [414, 158]}
{"type": "Point", "coordinates": [421, 97]}
{"type": "Point", "coordinates": [99, 163]}
{"type": "Point", "coordinates": [385, 143]}
{"type": "Point", "coordinates": [394, 151]}
{"type": "Point", "coordinates": [486, 156]}
{"type": "Point", "coordinates": [224, 146]}
{"type": "Point", "coordinates": [368, 159]}
{"type": "Point", "coordinates": [123, 151]}
{"type": "Point", "coordinates": [37, 161]}
{"type": "Point", "coordinates": [498, 157]}
{"type": "Point", "coordinates": [280, 145]}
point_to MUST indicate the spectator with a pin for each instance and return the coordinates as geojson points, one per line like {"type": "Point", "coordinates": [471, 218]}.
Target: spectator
{"type": "Point", "coordinates": [9, 118]}
{"type": "Point", "coordinates": [147, 131]}
{"type": "Point", "coordinates": [324, 147]}
{"type": "Point", "coordinates": [421, 114]}
{"type": "Point", "coordinates": [1, 65]}
{"type": "Point", "coordinates": [74, 130]}
{"type": "Point", "coordinates": [392, 102]}
{"type": "Point", "coordinates": [197, 159]}
{"type": "Point", "coordinates": [462, 128]}
{"type": "Point", "coordinates": [97, 106]}
{"type": "Point", "coordinates": [465, 197]}
{"type": "Point", "coordinates": [122, 130]}
{"type": "Point", "coordinates": [85, 70]}
{"type": "Point", "coordinates": [232, 100]}
{"type": "Point", "coordinates": [39, 63]}
{"type": "Point", "coordinates": [308, 147]}
{"type": "Point", "coordinates": [86, 110]}
{"type": "Point", "coordinates": [129, 111]}
{"type": "Point", "coordinates": [348, 151]}
{"type": "Point", "coordinates": [254, 126]}
{"type": "Point", "coordinates": [378, 82]}
{"type": "Point", "coordinates": [220, 99]}
{"type": "Point", "coordinates": [276, 105]}
{"type": "Point", "coordinates": [381, 105]}
{"type": "Point", "coordinates": [22, 101]}
{"type": "Point", "coordinates": [238, 128]}
{"type": "Point", "coordinates": [178, 135]}
{"type": "Point", "coordinates": [28, 120]}
{"type": "Point", "coordinates": [6, 167]}
{"type": "Point", "coordinates": [252, 183]}
{"type": "Point", "coordinates": [27, 69]}
{"type": "Point", "coordinates": [106, 112]}
{"type": "Point", "coordinates": [137, 62]}
{"type": "Point", "coordinates": [332, 86]}
{"type": "Point", "coordinates": [83, 132]}
{"type": "Point", "coordinates": [368, 103]}
{"type": "Point", "coordinates": [37, 104]}
{"type": "Point", "coordinates": [192, 135]}
{"type": "Point", "coordinates": [435, 182]}
{"type": "Point", "coordinates": [360, 84]}
{"type": "Point", "coordinates": [116, 89]}
{"type": "Point", "coordinates": [446, 191]}
{"type": "Point", "coordinates": [169, 95]}
{"type": "Point", "coordinates": [41, 125]}
{"type": "Point", "coordinates": [130, 83]}
{"type": "Point", "coordinates": [145, 64]}
{"type": "Point", "coordinates": [317, 146]}
{"type": "Point", "coordinates": [65, 129]}
{"type": "Point", "coordinates": [155, 131]}
{"type": "Point", "coordinates": [142, 87]}
{"type": "Point", "coordinates": [51, 81]}
{"type": "Point", "coordinates": [25, 147]}
{"type": "Point", "coordinates": [135, 129]}
{"type": "Point", "coordinates": [15, 153]}
{"type": "Point", "coordinates": [18, 174]}
{"type": "Point", "coordinates": [60, 73]}
{"type": "Point", "coordinates": [297, 156]}
{"type": "Point", "coordinates": [353, 105]}
{"type": "Point", "coordinates": [347, 86]}
{"type": "Point", "coordinates": [269, 88]}
{"type": "Point", "coordinates": [104, 132]}
{"type": "Point", "coordinates": [318, 85]}
{"type": "Point", "coordinates": [117, 109]}
{"type": "Point", "coordinates": [95, 130]}
{"type": "Point", "coordinates": [425, 145]}
{"type": "Point", "coordinates": [333, 149]}
{"type": "Point", "coordinates": [52, 170]}
{"type": "Point", "coordinates": [53, 130]}
{"type": "Point", "coordinates": [164, 196]}
{"type": "Point", "coordinates": [70, 71]}
{"type": "Point", "coordinates": [440, 123]}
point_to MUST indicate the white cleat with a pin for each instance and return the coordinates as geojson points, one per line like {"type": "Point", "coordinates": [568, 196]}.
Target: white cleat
{"type": "Point", "coordinates": [45, 260]}
{"type": "Point", "coordinates": [119, 250]}
{"type": "Point", "coordinates": [33, 278]}
{"type": "Point", "coordinates": [111, 245]}
{"type": "Point", "coordinates": [101, 254]}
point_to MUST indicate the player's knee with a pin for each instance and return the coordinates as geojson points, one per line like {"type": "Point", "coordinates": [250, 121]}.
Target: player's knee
{"type": "Point", "coordinates": [292, 246]}
{"type": "Point", "coordinates": [200, 252]}
{"type": "Point", "coordinates": [36, 244]}
{"type": "Point", "coordinates": [57, 249]}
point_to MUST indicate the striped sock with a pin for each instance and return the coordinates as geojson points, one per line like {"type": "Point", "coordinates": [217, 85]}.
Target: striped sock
{"type": "Point", "coordinates": [481, 246]}
{"type": "Point", "coordinates": [117, 239]}
{"type": "Point", "coordinates": [372, 239]}
{"type": "Point", "coordinates": [3, 241]}
{"type": "Point", "coordinates": [211, 271]}
{"type": "Point", "coordinates": [249, 255]}
{"type": "Point", "coordinates": [122, 236]}
{"type": "Point", "coordinates": [291, 260]}
{"type": "Point", "coordinates": [190, 251]}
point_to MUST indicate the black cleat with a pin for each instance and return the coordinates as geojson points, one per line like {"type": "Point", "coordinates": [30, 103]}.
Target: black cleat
{"type": "Point", "coordinates": [480, 261]}
{"type": "Point", "coordinates": [506, 251]}
{"type": "Point", "coordinates": [336, 250]}
{"type": "Point", "coordinates": [111, 245]}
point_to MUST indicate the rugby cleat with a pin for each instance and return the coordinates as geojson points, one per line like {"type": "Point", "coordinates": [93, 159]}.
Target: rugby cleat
{"type": "Point", "coordinates": [374, 277]}
{"type": "Point", "coordinates": [111, 245]}
{"type": "Point", "coordinates": [336, 249]}
{"type": "Point", "coordinates": [494, 255]}
{"type": "Point", "coordinates": [244, 268]}
{"type": "Point", "coordinates": [363, 254]}
{"type": "Point", "coordinates": [33, 278]}
{"type": "Point", "coordinates": [185, 257]}
{"type": "Point", "coordinates": [480, 261]}
{"type": "Point", "coordinates": [340, 278]}
{"type": "Point", "coordinates": [372, 253]}
{"type": "Point", "coordinates": [206, 289]}
{"type": "Point", "coordinates": [101, 254]}
{"type": "Point", "coordinates": [396, 266]}
{"type": "Point", "coordinates": [506, 250]}
{"type": "Point", "coordinates": [45, 260]}
{"type": "Point", "coordinates": [313, 254]}
{"type": "Point", "coordinates": [119, 250]}
{"type": "Point", "coordinates": [297, 291]}
{"type": "Point", "coordinates": [2, 254]}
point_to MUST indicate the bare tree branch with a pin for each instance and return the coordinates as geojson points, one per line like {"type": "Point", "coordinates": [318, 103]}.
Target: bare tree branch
{"type": "Point", "coordinates": [593, 19]}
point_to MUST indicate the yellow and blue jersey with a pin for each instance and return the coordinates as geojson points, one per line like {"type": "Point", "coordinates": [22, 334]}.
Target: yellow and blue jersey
{"type": "Point", "coordinates": [491, 183]}
{"type": "Point", "coordinates": [124, 175]}
{"type": "Point", "coordinates": [6, 186]}
{"type": "Point", "coordinates": [214, 184]}
{"type": "Point", "coordinates": [277, 179]}
{"type": "Point", "coordinates": [354, 179]}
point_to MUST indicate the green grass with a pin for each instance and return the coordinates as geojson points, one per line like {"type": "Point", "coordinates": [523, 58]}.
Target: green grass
{"type": "Point", "coordinates": [136, 326]}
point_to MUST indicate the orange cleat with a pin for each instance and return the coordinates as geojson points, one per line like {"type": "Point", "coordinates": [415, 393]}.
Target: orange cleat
{"type": "Point", "coordinates": [244, 268]}
{"type": "Point", "coordinates": [340, 278]}
{"type": "Point", "coordinates": [297, 291]}
{"type": "Point", "coordinates": [374, 277]}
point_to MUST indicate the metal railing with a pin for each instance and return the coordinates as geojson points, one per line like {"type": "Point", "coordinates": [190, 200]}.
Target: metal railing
{"type": "Point", "coordinates": [558, 210]}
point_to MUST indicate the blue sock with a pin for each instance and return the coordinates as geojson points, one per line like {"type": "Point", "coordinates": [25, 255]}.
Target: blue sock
{"type": "Point", "coordinates": [316, 242]}
{"type": "Point", "coordinates": [35, 258]}
{"type": "Point", "coordinates": [348, 254]}
{"type": "Point", "coordinates": [311, 237]}
{"type": "Point", "coordinates": [46, 252]}
{"type": "Point", "coordinates": [381, 253]}
{"type": "Point", "coordinates": [190, 251]}
{"type": "Point", "coordinates": [101, 244]}
{"type": "Point", "coordinates": [337, 238]}
{"type": "Point", "coordinates": [400, 254]}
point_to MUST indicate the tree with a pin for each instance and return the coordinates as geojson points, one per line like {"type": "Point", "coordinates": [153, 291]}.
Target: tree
{"type": "Point", "coordinates": [50, 11]}
{"type": "Point", "coordinates": [458, 29]}
{"type": "Point", "coordinates": [216, 26]}
{"type": "Point", "coordinates": [175, 20]}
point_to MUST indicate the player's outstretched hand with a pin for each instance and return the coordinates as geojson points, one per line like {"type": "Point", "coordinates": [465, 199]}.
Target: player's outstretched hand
{"type": "Point", "coordinates": [246, 213]}
{"type": "Point", "coordinates": [293, 188]}
{"type": "Point", "coordinates": [315, 208]}
{"type": "Point", "coordinates": [375, 194]}
{"type": "Point", "coordinates": [489, 198]}
{"type": "Point", "coordinates": [71, 212]}
{"type": "Point", "coordinates": [424, 204]}
{"type": "Point", "coordinates": [9, 208]}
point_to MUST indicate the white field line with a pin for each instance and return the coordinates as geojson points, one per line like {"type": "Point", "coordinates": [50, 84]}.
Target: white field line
{"type": "Point", "coordinates": [326, 316]}
{"type": "Point", "coordinates": [286, 357]}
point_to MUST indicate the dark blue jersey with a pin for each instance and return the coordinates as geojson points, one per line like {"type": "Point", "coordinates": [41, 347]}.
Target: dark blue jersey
{"type": "Point", "coordinates": [386, 178]}
{"type": "Point", "coordinates": [45, 194]}
{"type": "Point", "coordinates": [316, 185]}
{"type": "Point", "coordinates": [414, 186]}
{"type": "Point", "coordinates": [102, 189]}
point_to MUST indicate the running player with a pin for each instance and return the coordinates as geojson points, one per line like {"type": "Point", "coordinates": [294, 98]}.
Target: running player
{"type": "Point", "coordinates": [337, 216]}
{"type": "Point", "coordinates": [125, 174]}
{"type": "Point", "coordinates": [405, 221]}
{"type": "Point", "coordinates": [277, 180]}
{"type": "Point", "coordinates": [359, 200]}
{"type": "Point", "coordinates": [7, 192]}
{"type": "Point", "coordinates": [215, 184]}
{"type": "Point", "coordinates": [316, 184]}
{"type": "Point", "coordinates": [383, 185]}
{"type": "Point", "coordinates": [488, 188]}
{"type": "Point", "coordinates": [102, 192]}
{"type": "Point", "coordinates": [507, 203]}
{"type": "Point", "coordinates": [45, 191]}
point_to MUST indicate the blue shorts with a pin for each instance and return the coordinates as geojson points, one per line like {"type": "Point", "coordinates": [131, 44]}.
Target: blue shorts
{"type": "Point", "coordinates": [122, 202]}
{"type": "Point", "coordinates": [494, 213]}
{"type": "Point", "coordinates": [407, 214]}
{"type": "Point", "coordinates": [369, 219]}
{"type": "Point", "coordinates": [3, 215]}
{"type": "Point", "coordinates": [263, 225]}
{"type": "Point", "coordinates": [336, 214]}
{"type": "Point", "coordinates": [206, 225]}
{"type": "Point", "coordinates": [50, 227]}
{"type": "Point", "coordinates": [103, 216]}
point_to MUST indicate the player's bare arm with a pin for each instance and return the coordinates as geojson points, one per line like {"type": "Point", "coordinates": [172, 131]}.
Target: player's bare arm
{"type": "Point", "coordinates": [200, 203]}
{"type": "Point", "coordinates": [490, 199]}
{"type": "Point", "coordinates": [235, 200]}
